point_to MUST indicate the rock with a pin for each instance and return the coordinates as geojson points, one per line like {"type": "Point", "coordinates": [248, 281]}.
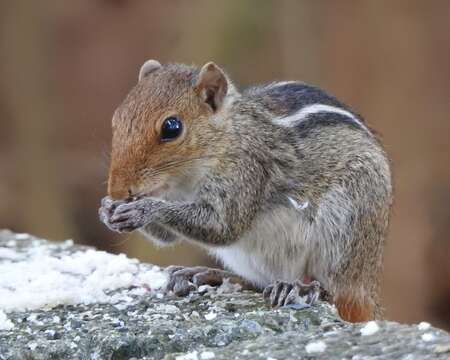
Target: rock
{"type": "Point", "coordinates": [128, 316]}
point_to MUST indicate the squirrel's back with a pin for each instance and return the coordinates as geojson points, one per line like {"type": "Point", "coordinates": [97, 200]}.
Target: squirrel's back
{"type": "Point", "coordinates": [336, 175]}
{"type": "Point", "coordinates": [291, 102]}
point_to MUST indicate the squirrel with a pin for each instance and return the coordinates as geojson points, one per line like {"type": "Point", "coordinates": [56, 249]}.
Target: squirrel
{"type": "Point", "coordinates": [282, 183]}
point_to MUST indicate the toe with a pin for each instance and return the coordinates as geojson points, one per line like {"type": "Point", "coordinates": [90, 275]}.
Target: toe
{"type": "Point", "coordinates": [183, 287]}
{"type": "Point", "coordinates": [267, 291]}
{"type": "Point", "coordinates": [284, 292]}
{"type": "Point", "coordinates": [103, 214]}
{"type": "Point", "coordinates": [189, 272]}
{"type": "Point", "coordinates": [124, 209]}
{"type": "Point", "coordinates": [275, 293]}
{"type": "Point", "coordinates": [313, 293]}
{"type": "Point", "coordinates": [107, 202]}
{"type": "Point", "coordinates": [171, 283]}
{"type": "Point", "coordinates": [179, 274]}
{"type": "Point", "coordinates": [110, 204]}
{"type": "Point", "coordinates": [182, 279]}
{"type": "Point", "coordinates": [210, 277]}
{"type": "Point", "coordinates": [293, 295]}
{"type": "Point", "coordinates": [117, 218]}
{"type": "Point", "coordinates": [172, 268]}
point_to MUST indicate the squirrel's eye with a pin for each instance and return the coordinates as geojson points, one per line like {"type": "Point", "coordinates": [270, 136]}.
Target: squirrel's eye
{"type": "Point", "coordinates": [171, 128]}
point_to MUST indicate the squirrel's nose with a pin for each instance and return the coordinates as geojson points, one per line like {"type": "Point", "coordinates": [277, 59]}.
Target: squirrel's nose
{"type": "Point", "coordinates": [118, 193]}
{"type": "Point", "coordinates": [119, 187]}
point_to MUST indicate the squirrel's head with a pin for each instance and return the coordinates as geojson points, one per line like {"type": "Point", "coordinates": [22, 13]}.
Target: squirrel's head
{"type": "Point", "coordinates": [163, 132]}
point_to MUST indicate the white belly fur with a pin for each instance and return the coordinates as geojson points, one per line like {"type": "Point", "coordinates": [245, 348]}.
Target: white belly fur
{"type": "Point", "coordinates": [275, 248]}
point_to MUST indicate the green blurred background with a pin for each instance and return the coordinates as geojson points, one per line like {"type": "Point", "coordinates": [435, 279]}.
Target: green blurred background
{"type": "Point", "coordinates": [66, 65]}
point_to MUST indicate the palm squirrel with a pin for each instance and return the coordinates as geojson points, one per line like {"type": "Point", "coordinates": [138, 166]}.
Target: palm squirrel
{"type": "Point", "coordinates": [284, 184]}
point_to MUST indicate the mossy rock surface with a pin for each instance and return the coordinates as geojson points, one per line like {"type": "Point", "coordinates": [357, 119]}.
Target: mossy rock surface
{"type": "Point", "coordinates": [213, 325]}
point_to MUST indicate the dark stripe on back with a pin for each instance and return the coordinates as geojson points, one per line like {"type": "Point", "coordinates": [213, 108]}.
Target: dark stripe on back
{"type": "Point", "coordinates": [285, 100]}
{"type": "Point", "coordinates": [313, 121]}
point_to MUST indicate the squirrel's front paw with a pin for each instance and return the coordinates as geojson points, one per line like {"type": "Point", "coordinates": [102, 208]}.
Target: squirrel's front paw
{"type": "Point", "coordinates": [132, 215]}
{"type": "Point", "coordinates": [123, 216]}
{"type": "Point", "coordinates": [106, 211]}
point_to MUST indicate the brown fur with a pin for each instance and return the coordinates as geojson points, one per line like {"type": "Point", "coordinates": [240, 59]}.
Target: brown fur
{"type": "Point", "coordinates": [236, 170]}
{"type": "Point", "coordinates": [136, 127]}
{"type": "Point", "coordinates": [350, 309]}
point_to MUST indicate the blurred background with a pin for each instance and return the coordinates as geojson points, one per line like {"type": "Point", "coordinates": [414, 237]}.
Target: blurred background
{"type": "Point", "coordinates": [66, 65]}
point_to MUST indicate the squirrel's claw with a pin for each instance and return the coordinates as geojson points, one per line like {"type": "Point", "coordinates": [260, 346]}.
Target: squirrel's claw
{"type": "Point", "coordinates": [284, 293]}
{"type": "Point", "coordinates": [277, 293]}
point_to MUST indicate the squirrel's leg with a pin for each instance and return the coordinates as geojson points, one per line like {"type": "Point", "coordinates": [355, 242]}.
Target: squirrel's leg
{"type": "Point", "coordinates": [283, 293]}
{"type": "Point", "coordinates": [214, 217]}
{"type": "Point", "coordinates": [183, 280]}
{"type": "Point", "coordinates": [159, 234]}
{"type": "Point", "coordinates": [196, 221]}
{"type": "Point", "coordinates": [154, 231]}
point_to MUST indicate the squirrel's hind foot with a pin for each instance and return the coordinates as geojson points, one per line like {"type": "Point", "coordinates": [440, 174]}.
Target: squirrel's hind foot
{"type": "Point", "coordinates": [184, 280]}
{"type": "Point", "coordinates": [283, 293]}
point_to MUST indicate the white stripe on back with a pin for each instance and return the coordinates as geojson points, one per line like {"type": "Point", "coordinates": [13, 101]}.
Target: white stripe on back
{"type": "Point", "coordinates": [304, 112]}
{"type": "Point", "coordinates": [283, 83]}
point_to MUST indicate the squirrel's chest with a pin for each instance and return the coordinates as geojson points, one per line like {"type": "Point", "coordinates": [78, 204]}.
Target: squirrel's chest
{"type": "Point", "coordinates": [276, 248]}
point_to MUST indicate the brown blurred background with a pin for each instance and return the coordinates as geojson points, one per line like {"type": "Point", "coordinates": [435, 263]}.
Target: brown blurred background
{"type": "Point", "coordinates": [65, 66]}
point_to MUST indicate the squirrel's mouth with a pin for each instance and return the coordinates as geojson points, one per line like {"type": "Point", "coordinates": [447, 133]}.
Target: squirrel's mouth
{"type": "Point", "coordinates": [155, 192]}
{"type": "Point", "coordinates": [158, 191]}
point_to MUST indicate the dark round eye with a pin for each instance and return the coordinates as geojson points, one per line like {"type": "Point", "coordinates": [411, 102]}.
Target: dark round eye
{"type": "Point", "coordinates": [171, 128]}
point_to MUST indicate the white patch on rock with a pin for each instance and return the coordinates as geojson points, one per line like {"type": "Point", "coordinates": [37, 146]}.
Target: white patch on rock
{"type": "Point", "coordinates": [189, 356]}
{"type": "Point", "coordinates": [5, 323]}
{"type": "Point", "coordinates": [442, 348]}
{"type": "Point", "coordinates": [427, 337]}
{"type": "Point", "coordinates": [22, 236]}
{"type": "Point", "coordinates": [9, 254]}
{"type": "Point", "coordinates": [37, 278]}
{"type": "Point", "coordinates": [370, 328]}
{"type": "Point", "coordinates": [167, 309]}
{"type": "Point", "coordinates": [423, 326]}
{"type": "Point", "coordinates": [207, 355]}
{"type": "Point", "coordinates": [315, 347]}
{"type": "Point", "coordinates": [210, 316]}
{"type": "Point", "coordinates": [50, 332]}
{"type": "Point", "coordinates": [202, 289]}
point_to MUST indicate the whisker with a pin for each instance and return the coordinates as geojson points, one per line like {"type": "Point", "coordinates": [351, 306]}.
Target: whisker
{"type": "Point", "coordinates": [174, 164]}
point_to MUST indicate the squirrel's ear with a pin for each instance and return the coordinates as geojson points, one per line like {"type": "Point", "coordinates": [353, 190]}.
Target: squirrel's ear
{"type": "Point", "coordinates": [148, 67]}
{"type": "Point", "coordinates": [212, 85]}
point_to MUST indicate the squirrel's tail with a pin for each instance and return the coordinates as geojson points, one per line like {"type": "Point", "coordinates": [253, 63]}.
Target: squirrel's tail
{"type": "Point", "coordinates": [357, 310]}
